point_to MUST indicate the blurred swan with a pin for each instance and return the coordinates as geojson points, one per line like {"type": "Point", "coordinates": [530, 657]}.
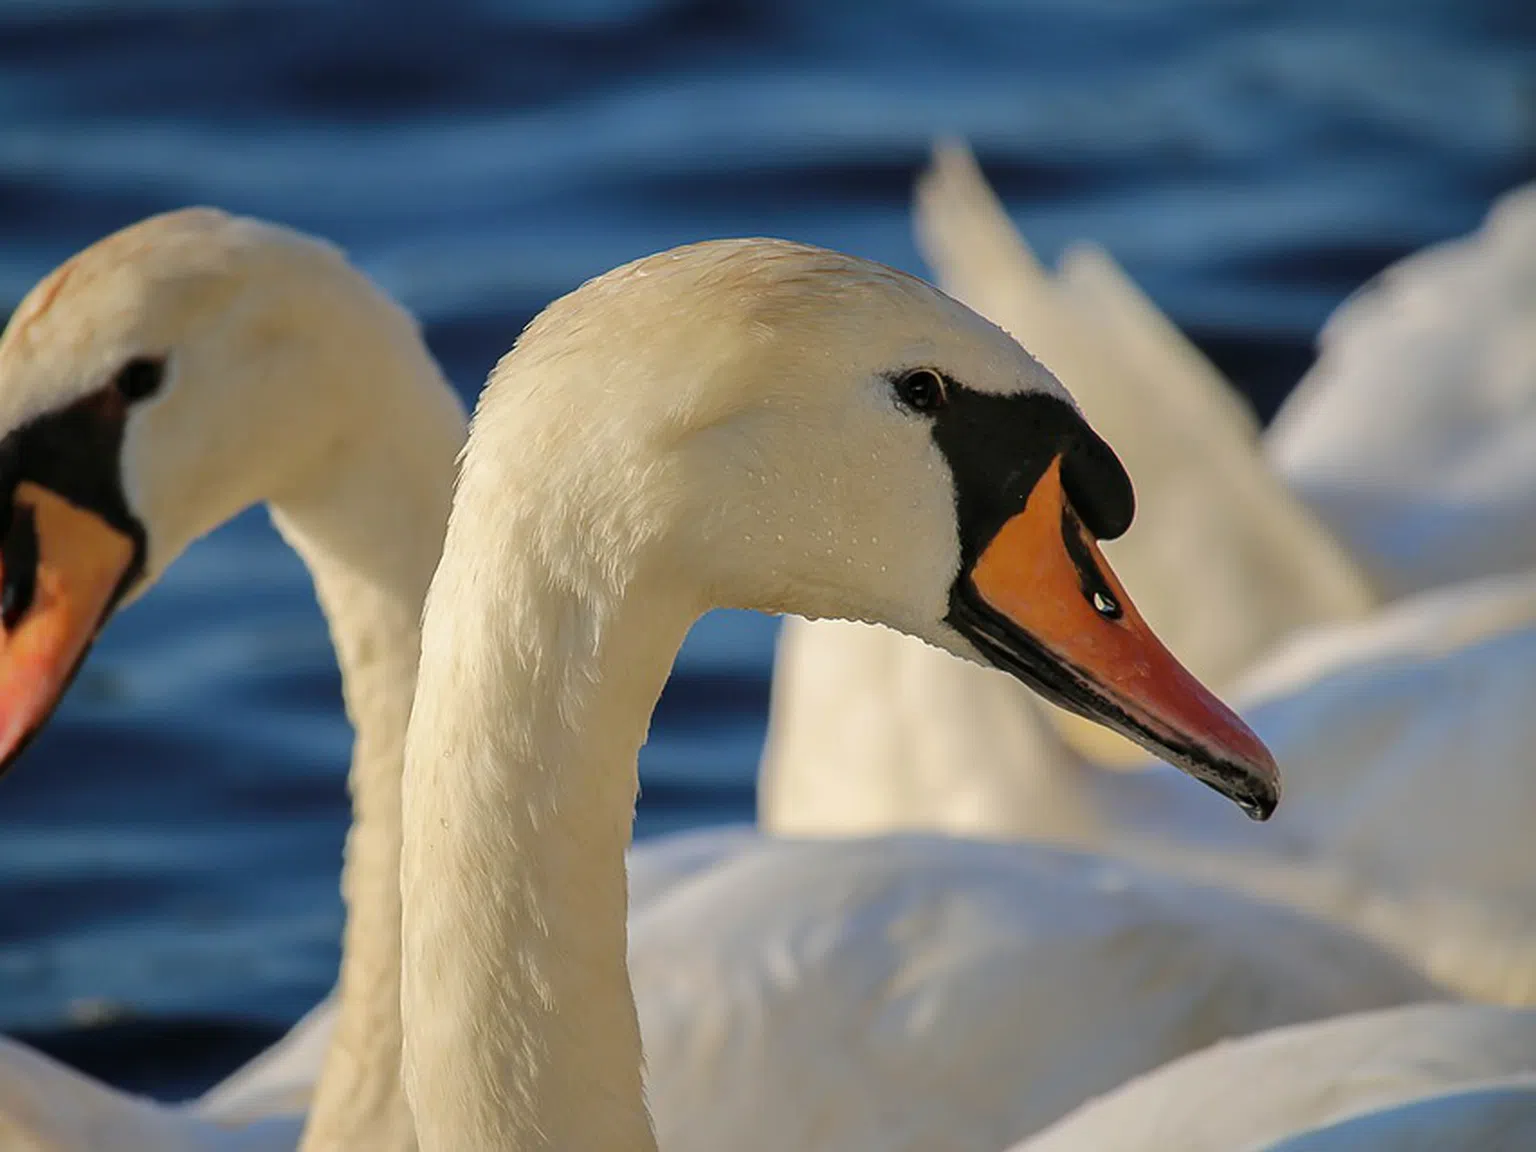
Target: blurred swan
{"type": "Point", "coordinates": [1494, 1116]}
{"type": "Point", "coordinates": [1254, 1092]}
{"type": "Point", "coordinates": [1414, 434]}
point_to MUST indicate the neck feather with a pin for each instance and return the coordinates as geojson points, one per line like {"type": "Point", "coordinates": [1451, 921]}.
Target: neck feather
{"type": "Point", "coordinates": [539, 675]}
{"type": "Point", "coordinates": [368, 521]}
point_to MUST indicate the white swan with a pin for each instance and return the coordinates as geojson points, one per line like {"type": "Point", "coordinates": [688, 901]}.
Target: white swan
{"type": "Point", "coordinates": [280, 374]}
{"type": "Point", "coordinates": [289, 378]}
{"type": "Point", "coordinates": [1498, 1117]}
{"type": "Point", "coordinates": [1414, 434]}
{"type": "Point", "coordinates": [1247, 1093]}
{"type": "Point", "coordinates": [757, 424]}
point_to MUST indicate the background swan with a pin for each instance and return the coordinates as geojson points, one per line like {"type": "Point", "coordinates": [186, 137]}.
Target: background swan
{"type": "Point", "coordinates": [1493, 1116]}
{"type": "Point", "coordinates": [287, 376]}
{"type": "Point", "coordinates": [802, 431]}
{"type": "Point", "coordinates": [1250, 1092]}
{"type": "Point", "coordinates": [1414, 434]}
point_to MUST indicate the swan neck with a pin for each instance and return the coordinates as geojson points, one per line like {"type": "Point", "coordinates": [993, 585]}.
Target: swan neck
{"type": "Point", "coordinates": [369, 524]}
{"type": "Point", "coordinates": [536, 691]}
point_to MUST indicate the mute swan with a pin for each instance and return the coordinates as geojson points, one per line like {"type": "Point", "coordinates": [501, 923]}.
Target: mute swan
{"type": "Point", "coordinates": [288, 377]}
{"type": "Point", "coordinates": [757, 424]}
{"type": "Point", "coordinates": [1499, 1117]}
{"type": "Point", "coordinates": [1246, 1093]}
{"type": "Point", "coordinates": [1414, 433]}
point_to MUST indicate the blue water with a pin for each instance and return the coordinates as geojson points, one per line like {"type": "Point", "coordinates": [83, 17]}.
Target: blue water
{"type": "Point", "coordinates": [169, 849]}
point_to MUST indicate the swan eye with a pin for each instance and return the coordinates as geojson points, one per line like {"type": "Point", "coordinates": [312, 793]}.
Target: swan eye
{"type": "Point", "coordinates": [140, 378]}
{"type": "Point", "coordinates": [922, 390]}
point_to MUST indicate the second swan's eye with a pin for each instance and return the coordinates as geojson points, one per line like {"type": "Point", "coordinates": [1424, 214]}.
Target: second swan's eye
{"type": "Point", "coordinates": [921, 390]}
{"type": "Point", "coordinates": [140, 378]}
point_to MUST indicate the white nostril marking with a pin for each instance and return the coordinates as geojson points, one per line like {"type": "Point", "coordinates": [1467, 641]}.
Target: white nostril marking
{"type": "Point", "coordinates": [1105, 606]}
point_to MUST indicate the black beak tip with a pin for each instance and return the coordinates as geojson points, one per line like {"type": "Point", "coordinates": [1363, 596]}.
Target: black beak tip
{"type": "Point", "coordinates": [1256, 796]}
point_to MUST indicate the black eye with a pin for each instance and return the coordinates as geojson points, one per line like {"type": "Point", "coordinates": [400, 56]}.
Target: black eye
{"type": "Point", "coordinates": [140, 378]}
{"type": "Point", "coordinates": [921, 390]}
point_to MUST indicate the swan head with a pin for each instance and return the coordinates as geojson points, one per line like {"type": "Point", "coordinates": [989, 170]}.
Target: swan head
{"type": "Point", "coordinates": [151, 387]}
{"type": "Point", "coordinates": [789, 429]}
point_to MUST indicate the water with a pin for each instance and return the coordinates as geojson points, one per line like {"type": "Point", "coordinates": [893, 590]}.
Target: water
{"type": "Point", "coordinates": [169, 849]}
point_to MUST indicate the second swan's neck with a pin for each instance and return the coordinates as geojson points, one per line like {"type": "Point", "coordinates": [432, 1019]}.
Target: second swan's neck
{"type": "Point", "coordinates": [538, 678]}
{"type": "Point", "coordinates": [368, 521]}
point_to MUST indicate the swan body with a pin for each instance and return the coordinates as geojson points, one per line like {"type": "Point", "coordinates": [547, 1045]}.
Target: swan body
{"type": "Point", "coordinates": [913, 993]}
{"type": "Point", "coordinates": [803, 960]}
{"type": "Point", "coordinates": [288, 378]}
{"type": "Point", "coordinates": [802, 432]}
{"type": "Point", "coordinates": [1403, 738]}
{"type": "Point", "coordinates": [46, 1106]}
{"type": "Point", "coordinates": [279, 1081]}
{"type": "Point", "coordinates": [1493, 1116]}
{"type": "Point", "coordinates": [1253, 1092]}
{"type": "Point", "coordinates": [1414, 433]}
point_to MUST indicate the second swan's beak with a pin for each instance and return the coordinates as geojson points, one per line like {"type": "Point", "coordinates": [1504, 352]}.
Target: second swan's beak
{"type": "Point", "coordinates": [61, 570]}
{"type": "Point", "coordinates": [1041, 602]}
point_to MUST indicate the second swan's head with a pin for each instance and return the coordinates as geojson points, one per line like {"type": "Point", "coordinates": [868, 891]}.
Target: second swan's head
{"type": "Point", "coordinates": [157, 383]}
{"type": "Point", "coordinates": [785, 428]}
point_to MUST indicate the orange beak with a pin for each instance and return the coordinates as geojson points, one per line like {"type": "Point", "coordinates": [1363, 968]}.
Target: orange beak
{"type": "Point", "coordinates": [53, 612]}
{"type": "Point", "coordinates": [1043, 604]}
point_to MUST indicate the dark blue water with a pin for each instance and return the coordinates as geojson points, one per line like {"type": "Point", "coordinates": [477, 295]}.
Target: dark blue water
{"type": "Point", "coordinates": [169, 849]}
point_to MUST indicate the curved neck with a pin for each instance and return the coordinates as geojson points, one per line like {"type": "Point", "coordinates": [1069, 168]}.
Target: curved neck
{"type": "Point", "coordinates": [538, 679]}
{"type": "Point", "coordinates": [368, 521]}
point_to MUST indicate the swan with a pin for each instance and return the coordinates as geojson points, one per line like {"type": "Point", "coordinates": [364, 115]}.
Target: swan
{"type": "Point", "coordinates": [765, 425]}
{"type": "Point", "coordinates": [1414, 433]}
{"type": "Point", "coordinates": [1498, 1117]}
{"type": "Point", "coordinates": [1248, 1093]}
{"type": "Point", "coordinates": [754, 958]}
{"type": "Point", "coordinates": [233, 359]}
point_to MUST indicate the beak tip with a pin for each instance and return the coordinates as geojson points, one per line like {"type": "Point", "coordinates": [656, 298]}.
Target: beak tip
{"type": "Point", "coordinates": [1253, 784]}
{"type": "Point", "coordinates": [1260, 807]}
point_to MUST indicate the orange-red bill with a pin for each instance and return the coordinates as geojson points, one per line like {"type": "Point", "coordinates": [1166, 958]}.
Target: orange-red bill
{"type": "Point", "coordinates": [1089, 649]}
{"type": "Point", "coordinates": [80, 562]}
